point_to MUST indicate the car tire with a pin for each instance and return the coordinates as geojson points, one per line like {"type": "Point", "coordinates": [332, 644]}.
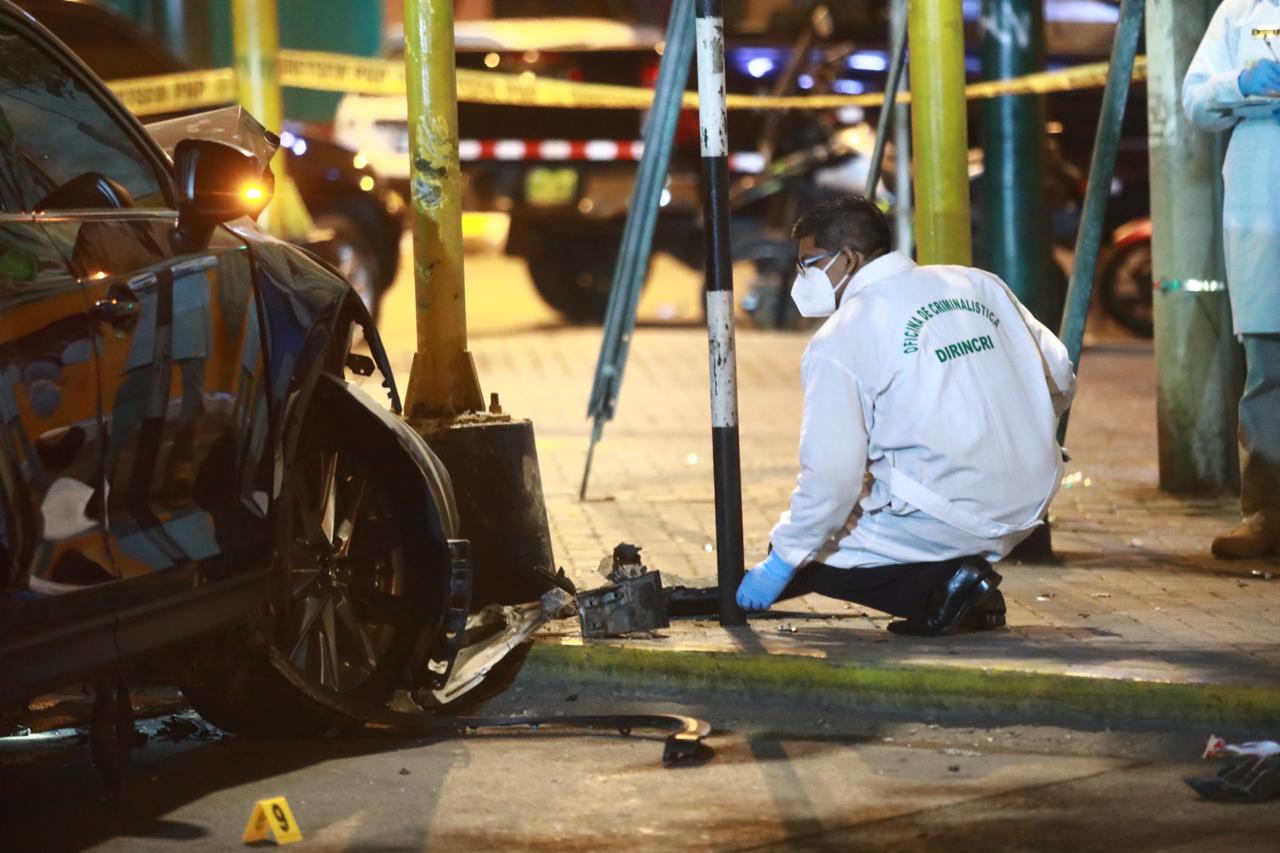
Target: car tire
{"type": "Point", "coordinates": [352, 253]}
{"type": "Point", "coordinates": [1125, 288]}
{"type": "Point", "coordinates": [576, 277]}
{"type": "Point", "coordinates": [347, 605]}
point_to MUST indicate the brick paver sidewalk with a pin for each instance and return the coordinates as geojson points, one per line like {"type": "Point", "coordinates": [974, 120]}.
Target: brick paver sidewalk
{"type": "Point", "coordinates": [1134, 594]}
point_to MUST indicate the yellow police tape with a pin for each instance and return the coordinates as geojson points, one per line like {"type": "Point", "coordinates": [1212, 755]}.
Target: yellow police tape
{"type": "Point", "coordinates": [331, 72]}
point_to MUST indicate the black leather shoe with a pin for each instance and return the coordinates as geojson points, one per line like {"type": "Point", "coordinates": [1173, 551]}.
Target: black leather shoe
{"type": "Point", "coordinates": [956, 604]}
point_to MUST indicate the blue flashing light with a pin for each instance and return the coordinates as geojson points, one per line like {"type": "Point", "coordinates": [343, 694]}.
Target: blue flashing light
{"type": "Point", "coordinates": [759, 66]}
{"type": "Point", "coordinates": [805, 81]}
{"type": "Point", "coordinates": [868, 60]}
{"type": "Point", "coordinates": [848, 87]}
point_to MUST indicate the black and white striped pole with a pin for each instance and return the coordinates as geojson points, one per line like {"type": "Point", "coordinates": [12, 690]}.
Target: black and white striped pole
{"type": "Point", "coordinates": [719, 290]}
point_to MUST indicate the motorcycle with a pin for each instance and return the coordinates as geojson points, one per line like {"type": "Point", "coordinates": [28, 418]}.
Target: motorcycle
{"type": "Point", "coordinates": [1125, 284]}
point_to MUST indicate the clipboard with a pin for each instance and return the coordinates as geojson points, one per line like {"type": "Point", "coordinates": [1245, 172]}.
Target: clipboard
{"type": "Point", "coordinates": [1251, 108]}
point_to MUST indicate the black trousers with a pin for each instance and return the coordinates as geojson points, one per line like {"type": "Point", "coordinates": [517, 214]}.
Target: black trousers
{"type": "Point", "coordinates": [897, 590]}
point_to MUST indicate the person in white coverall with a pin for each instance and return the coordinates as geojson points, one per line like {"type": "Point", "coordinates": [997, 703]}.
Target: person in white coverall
{"type": "Point", "coordinates": [928, 445]}
{"type": "Point", "coordinates": [1237, 60]}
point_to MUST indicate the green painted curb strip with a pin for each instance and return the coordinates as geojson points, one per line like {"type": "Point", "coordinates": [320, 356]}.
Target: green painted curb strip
{"type": "Point", "coordinates": [984, 690]}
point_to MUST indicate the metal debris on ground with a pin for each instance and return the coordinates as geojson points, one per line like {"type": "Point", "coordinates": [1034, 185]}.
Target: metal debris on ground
{"type": "Point", "coordinates": [1045, 596]}
{"type": "Point", "coordinates": [624, 563]}
{"type": "Point", "coordinates": [692, 601]}
{"type": "Point", "coordinates": [1258, 573]}
{"type": "Point", "coordinates": [786, 628]}
{"type": "Point", "coordinates": [188, 725]}
{"type": "Point", "coordinates": [491, 635]}
{"type": "Point", "coordinates": [631, 605]}
{"type": "Point", "coordinates": [1252, 776]}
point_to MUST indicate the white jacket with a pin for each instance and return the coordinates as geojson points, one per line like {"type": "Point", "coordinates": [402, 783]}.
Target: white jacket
{"type": "Point", "coordinates": [931, 400]}
{"type": "Point", "coordinates": [1251, 174]}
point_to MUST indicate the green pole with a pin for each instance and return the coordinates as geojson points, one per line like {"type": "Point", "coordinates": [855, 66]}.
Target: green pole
{"type": "Point", "coordinates": [443, 380]}
{"type": "Point", "coordinates": [941, 132]}
{"type": "Point", "coordinates": [1198, 363]}
{"type": "Point", "coordinates": [1102, 169]}
{"type": "Point", "coordinates": [1015, 232]}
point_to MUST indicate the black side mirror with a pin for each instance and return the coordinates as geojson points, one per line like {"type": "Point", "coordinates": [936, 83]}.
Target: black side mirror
{"type": "Point", "coordinates": [89, 191]}
{"type": "Point", "coordinates": [216, 183]}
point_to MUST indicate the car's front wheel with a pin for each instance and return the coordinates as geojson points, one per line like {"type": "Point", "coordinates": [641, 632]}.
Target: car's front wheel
{"type": "Point", "coordinates": [350, 587]}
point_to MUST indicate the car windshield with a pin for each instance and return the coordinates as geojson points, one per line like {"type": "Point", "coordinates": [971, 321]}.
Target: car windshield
{"type": "Point", "coordinates": [52, 130]}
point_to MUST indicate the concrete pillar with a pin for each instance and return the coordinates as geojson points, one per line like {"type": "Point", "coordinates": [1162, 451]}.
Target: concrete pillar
{"type": "Point", "coordinates": [1198, 363]}
{"type": "Point", "coordinates": [941, 135]}
{"type": "Point", "coordinates": [1015, 233]}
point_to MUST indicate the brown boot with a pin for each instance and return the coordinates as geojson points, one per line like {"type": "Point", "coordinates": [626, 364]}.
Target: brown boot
{"type": "Point", "coordinates": [1259, 536]}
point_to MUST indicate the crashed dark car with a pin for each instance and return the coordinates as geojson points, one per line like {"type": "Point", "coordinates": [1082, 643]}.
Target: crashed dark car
{"type": "Point", "coordinates": [185, 473]}
{"type": "Point", "coordinates": [359, 219]}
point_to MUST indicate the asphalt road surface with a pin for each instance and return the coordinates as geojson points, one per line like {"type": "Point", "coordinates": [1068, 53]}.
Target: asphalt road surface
{"type": "Point", "coordinates": [781, 778]}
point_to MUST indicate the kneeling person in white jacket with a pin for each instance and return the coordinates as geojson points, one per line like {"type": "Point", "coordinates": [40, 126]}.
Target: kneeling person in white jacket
{"type": "Point", "coordinates": [928, 447]}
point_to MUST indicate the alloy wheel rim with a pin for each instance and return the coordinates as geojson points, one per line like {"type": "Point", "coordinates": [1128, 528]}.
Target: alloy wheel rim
{"type": "Point", "coordinates": [344, 574]}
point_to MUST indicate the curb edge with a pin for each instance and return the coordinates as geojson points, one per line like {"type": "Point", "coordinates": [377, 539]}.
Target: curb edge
{"type": "Point", "coordinates": [943, 687]}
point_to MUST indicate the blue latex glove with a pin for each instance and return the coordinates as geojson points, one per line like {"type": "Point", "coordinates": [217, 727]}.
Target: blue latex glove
{"type": "Point", "coordinates": [764, 583]}
{"type": "Point", "coordinates": [1261, 78]}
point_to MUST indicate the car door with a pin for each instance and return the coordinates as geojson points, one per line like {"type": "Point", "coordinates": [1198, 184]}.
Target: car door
{"type": "Point", "coordinates": [57, 578]}
{"type": "Point", "coordinates": [181, 386]}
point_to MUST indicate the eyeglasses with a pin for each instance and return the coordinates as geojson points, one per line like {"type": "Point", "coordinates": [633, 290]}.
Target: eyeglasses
{"type": "Point", "coordinates": [805, 263]}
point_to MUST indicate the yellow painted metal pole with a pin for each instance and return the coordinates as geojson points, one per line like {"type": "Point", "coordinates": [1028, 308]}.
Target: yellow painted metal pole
{"type": "Point", "coordinates": [940, 127]}
{"type": "Point", "coordinates": [256, 42]}
{"type": "Point", "coordinates": [443, 381]}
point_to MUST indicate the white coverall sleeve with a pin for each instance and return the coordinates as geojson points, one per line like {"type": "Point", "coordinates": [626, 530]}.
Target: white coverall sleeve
{"type": "Point", "coordinates": [1054, 358]}
{"type": "Point", "coordinates": [1213, 80]}
{"type": "Point", "coordinates": [833, 460]}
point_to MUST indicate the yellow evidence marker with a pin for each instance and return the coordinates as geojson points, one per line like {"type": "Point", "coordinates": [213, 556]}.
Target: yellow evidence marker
{"type": "Point", "coordinates": [271, 819]}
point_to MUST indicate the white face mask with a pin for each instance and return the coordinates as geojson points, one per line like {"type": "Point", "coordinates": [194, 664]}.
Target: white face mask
{"type": "Point", "coordinates": [812, 291]}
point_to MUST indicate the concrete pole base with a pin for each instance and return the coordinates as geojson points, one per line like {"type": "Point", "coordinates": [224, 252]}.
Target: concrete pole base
{"type": "Point", "coordinates": [493, 463]}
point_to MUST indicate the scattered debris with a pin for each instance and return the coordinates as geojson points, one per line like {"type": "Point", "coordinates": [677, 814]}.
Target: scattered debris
{"type": "Point", "coordinates": [709, 547]}
{"type": "Point", "coordinates": [692, 601]}
{"type": "Point", "coordinates": [179, 727]}
{"type": "Point", "coordinates": [1076, 479]}
{"type": "Point", "coordinates": [491, 635]}
{"type": "Point", "coordinates": [1252, 776]}
{"type": "Point", "coordinates": [404, 771]}
{"type": "Point", "coordinates": [954, 768]}
{"type": "Point", "coordinates": [634, 604]}
{"type": "Point", "coordinates": [1259, 573]}
{"type": "Point", "coordinates": [1135, 543]}
{"type": "Point", "coordinates": [1045, 596]}
{"type": "Point", "coordinates": [1099, 595]}
{"type": "Point", "coordinates": [951, 750]}
{"type": "Point", "coordinates": [691, 459]}
{"type": "Point", "coordinates": [787, 628]}
{"type": "Point", "coordinates": [625, 563]}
